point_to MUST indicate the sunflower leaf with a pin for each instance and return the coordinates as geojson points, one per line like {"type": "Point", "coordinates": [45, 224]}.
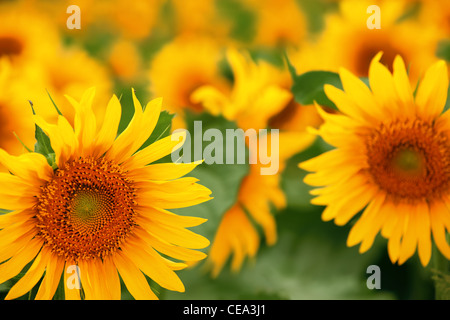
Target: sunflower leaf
{"type": "Point", "coordinates": [308, 87]}
{"type": "Point", "coordinates": [44, 147]}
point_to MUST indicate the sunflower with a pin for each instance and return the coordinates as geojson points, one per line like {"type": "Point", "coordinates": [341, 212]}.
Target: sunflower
{"type": "Point", "coordinates": [15, 114]}
{"type": "Point", "coordinates": [259, 99]}
{"type": "Point", "coordinates": [354, 45]}
{"type": "Point", "coordinates": [391, 160]}
{"type": "Point", "coordinates": [25, 35]}
{"type": "Point", "coordinates": [181, 67]}
{"type": "Point", "coordinates": [103, 209]}
{"type": "Point", "coordinates": [278, 23]}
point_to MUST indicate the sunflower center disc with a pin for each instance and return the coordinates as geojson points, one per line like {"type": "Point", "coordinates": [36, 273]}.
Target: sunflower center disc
{"type": "Point", "coordinates": [87, 209]}
{"type": "Point", "coordinates": [10, 46]}
{"type": "Point", "coordinates": [409, 159]}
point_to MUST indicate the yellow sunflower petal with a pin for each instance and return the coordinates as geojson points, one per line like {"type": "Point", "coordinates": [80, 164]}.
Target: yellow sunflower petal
{"type": "Point", "coordinates": [108, 132]}
{"type": "Point", "coordinates": [163, 171]}
{"type": "Point", "coordinates": [438, 228]}
{"type": "Point", "coordinates": [168, 249]}
{"type": "Point", "coordinates": [402, 84]}
{"type": "Point", "coordinates": [151, 263]}
{"type": "Point", "coordinates": [133, 278]}
{"type": "Point", "coordinates": [112, 276]}
{"type": "Point", "coordinates": [28, 166]}
{"type": "Point", "coordinates": [49, 284]}
{"type": "Point", "coordinates": [156, 150]}
{"type": "Point", "coordinates": [432, 92]}
{"type": "Point", "coordinates": [422, 216]}
{"type": "Point", "coordinates": [31, 277]}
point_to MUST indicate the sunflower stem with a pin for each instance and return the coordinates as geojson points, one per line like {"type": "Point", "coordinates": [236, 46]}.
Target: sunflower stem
{"type": "Point", "coordinates": [441, 275]}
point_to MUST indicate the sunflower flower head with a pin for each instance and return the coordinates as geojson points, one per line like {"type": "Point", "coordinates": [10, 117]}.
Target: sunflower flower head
{"type": "Point", "coordinates": [102, 207]}
{"type": "Point", "coordinates": [391, 160]}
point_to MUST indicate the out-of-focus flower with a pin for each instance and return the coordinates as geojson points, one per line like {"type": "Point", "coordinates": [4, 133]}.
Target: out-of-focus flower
{"type": "Point", "coordinates": [199, 18]}
{"type": "Point", "coordinates": [347, 41]}
{"type": "Point", "coordinates": [278, 23]}
{"type": "Point", "coordinates": [15, 112]}
{"type": "Point", "coordinates": [391, 160]}
{"type": "Point", "coordinates": [436, 13]}
{"type": "Point", "coordinates": [181, 67]}
{"type": "Point", "coordinates": [102, 209]}
{"type": "Point", "coordinates": [25, 36]}
{"type": "Point", "coordinates": [125, 61]}
{"type": "Point", "coordinates": [257, 99]}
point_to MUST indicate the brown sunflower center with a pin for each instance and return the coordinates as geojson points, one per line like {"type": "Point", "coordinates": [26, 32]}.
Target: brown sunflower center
{"type": "Point", "coordinates": [10, 46]}
{"type": "Point", "coordinates": [410, 159]}
{"type": "Point", "coordinates": [370, 49]}
{"type": "Point", "coordinates": [87, 209]}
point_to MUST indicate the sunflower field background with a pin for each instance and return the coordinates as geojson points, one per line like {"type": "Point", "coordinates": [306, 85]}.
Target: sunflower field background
{"type": "Point", "coordinates": [231, 64]}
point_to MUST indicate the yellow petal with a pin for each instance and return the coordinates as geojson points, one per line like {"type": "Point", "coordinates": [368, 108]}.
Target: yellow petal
{"type": "Point", "coordinates": [163, 171]}
{"type": "Point", "coordinates": [175, 235]}
{"type": "Point", "coordinates": [156, 150]}
{"type": "Point", "coordinates": [432, 92]}
{"type": "Point", "coordinates": [133, 278]}
{"type": "Point", "coordinates": [422, 216]}
{"type": "Point", "coordinates": [49, 284]}
{"type": "Point", "coordinates": [151, 263]}
{"type": "Point", "coordinates": [113, 280]}
{"type": "Point", "coordinates": [32, 167]}
{"type": "Point", "coordinates": [31, 277]}
{"type": "Point", "coordinates": [402, 85]}
{"type": "Point", "coordinates": [13, 266]}
{"type": "Point", "coordinates": [153, 215]}
{"type": "Point", "coordinates": [437, 227]}
{"type": "Point", "coordinates": [108, 132]}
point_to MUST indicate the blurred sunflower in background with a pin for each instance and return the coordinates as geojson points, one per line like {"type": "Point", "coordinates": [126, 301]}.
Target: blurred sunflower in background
{"type": "Point", "coordinates": [257, 100]}
{"type": "Point", "coordinates": [353, 44]}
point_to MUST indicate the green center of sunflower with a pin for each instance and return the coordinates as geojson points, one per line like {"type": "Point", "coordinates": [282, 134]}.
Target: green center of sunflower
{"type": "Point", "coordinates": [88, 205]}
{"type": "Point", "coordinates": [87, 209]}
{"type": "Point", "coordinates": [409, 159]}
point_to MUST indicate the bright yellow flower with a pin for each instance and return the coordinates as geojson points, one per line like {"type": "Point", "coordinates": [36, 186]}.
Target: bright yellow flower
{"type": "Point", "coordinates": [181, 67]}
{"type": "Point", "coordinates": [126, 61]}
{"type": "Point", "coordinates": [392, 160]}
{"type": "Point", "coordinates": [436, 13]}
{"type": "Point", "coordinates": [259, 99]}
{"type": "Point", "coordinates": [15, 113]}
{"type": "Point", "coordinates": [200, 17]}
{"type": "Point", "coordinates": [279, 23]}
{"type": "Point", "coordinates": [25, 36]}
{"type": "Point", "coordinates": [103, 209]}
{"type": "Point", "coordinates": [347, 42]}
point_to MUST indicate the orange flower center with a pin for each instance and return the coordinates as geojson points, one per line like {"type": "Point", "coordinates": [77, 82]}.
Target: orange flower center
{"type": "Point", "coordinates": [10, 46]}
{"type": "Point", "coordinates": [410, 159]}
{"type": "Point", "coordinates": [87, 209]}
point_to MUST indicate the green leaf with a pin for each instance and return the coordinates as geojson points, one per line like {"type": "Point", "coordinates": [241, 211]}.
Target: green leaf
{"type": "Point", "coordinates": [54, 104]}
{"type": "Point", "coordinates": [44, 147]}
{"type": "Point", "coordinates": [443, 50]}
{"type": "Point", "coordinates": [4, 211]}
{"type": "Point", "coordinates": [308, 87]}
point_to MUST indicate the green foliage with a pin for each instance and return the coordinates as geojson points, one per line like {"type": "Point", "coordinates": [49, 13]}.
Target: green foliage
{"type": "Point", "coordinates": [308, 87]}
